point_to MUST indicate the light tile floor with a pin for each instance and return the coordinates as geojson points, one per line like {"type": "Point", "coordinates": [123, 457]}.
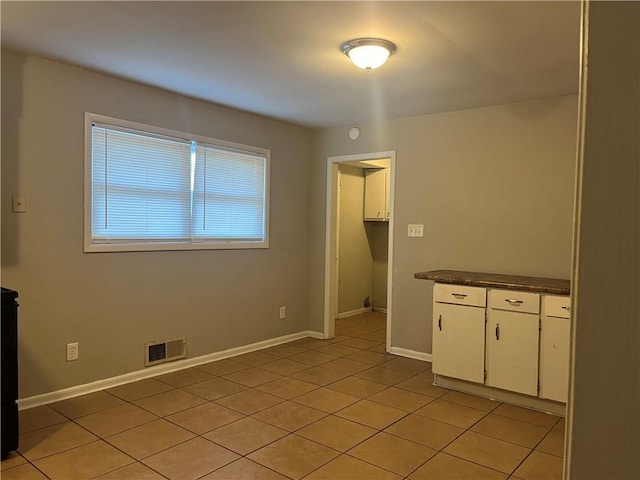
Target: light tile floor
{"type": "Point", "coordinates": [313, 409]}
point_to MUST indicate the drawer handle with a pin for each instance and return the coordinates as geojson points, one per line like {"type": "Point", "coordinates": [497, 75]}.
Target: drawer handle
{"type": "Point", "coordinates": [566, 307]}
{"type": "Point", "coordinates": [459, 296]}
{"type": "Point", "coordinates": [440, 322]}
{"type": "Point", "coordinates": [515, 303]}
{"type": "Point", "coordinates": [497, 331]}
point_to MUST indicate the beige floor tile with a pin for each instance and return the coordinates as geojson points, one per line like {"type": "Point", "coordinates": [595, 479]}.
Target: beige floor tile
{"type": "Point", "coordinates": [307, 343]}
{"type": "Point", "coordinates": [472, 401]}
{"type": "Point", "coordinates": [289, 416]}
{"type": "Point", "coordinates": [402, 399]}
{"type": "Point", "coordinates": [345, 467]}
{"type": "Point", "coordinates": [425, 431]}
{"type": "Point", "coordinates": [284, 351]}
{"type": "Point", "coordinates": [255, 359]}
{"type": "Point", "coordinates": [423, 386]}
{"type": "Point", "coordinates": [23, 472]}
{"type": "Point", "coordinates": [141, 389]}
{"type": "Point", "coordinates": [184, 377]}
{"type": "Point", "coordinates": [490, 452]}
{"type": "Point", "coordinates": [222, 367]}
{"type": "Point", "coordinates": [246, 435]}
{"type": "Point", "coordinates": [150, 438]}
{"type": "Point", "coordinates": [287, 387]}
{"type": "Point", "coordinates": [392, 453]}
{"type": "Point", "coordinates": [215, 388]}
{"type": "Point", "coordinates": [190, 460]}
{"type": "Point", "coordinates": [452, 413]}
{"type": "Point", "coordinates": [343, 365]}
{"type": "Point", "coordinates": [244, 469]}
{"type": "Point", "coordinates": [511, 430]}
{"type": "Point", "coordinates": [205, 417]}
{"type": "Point", "coordinates": [527, 415]}
{"type": "Point", "coordinates": [553, 443]}
{"type": "Point", "coordinates": [327, 400]}
{"type": "Point", "coordinates": [540, 466]}
{"type": "Point", "coordinates": [169, 402]}
{"type": "Point", "coordinates": [319, 376]}
{"type": "Point", "coordinates": [380, 348]}
{"type": "Point", "coordinates": [116, 420]}
{"type": "Point", "coordinates": [358, 387]}
{"type": "Point", "coordinates": [371, 414]}
{"type": "Point", "coordinates": [351, 332]}
{"type": "Point", "coordinates": [383, 375]}
{"type": "Point", "coordinates": [337, 433]}
{"type": "Point", "coordinates": [293, 456]}
{"type": "Point", "coordinates": [369, 357]}
{"type": "Point", "coordinates": [313, 358]}
{"type": "Point", "coordinates": [408, 365]}
{"type": "Point", "coordinates": [13, 459]}
{"type": "Point", "coordinates": [249, 401]}
{"type": "Point", "coordinates": [446, 467]}
{"type": "Point", "coordinates": [284, 366]}
{"type": "Point", "coordinates": [54, 439]}
{"type": "Point", "coordinates": [38, 417]}
{"type": "Point", "coordinates": [86, 404]}
{"type": "Point", "coordinates": [337, 350]}
{"type": "Point", "coordinates": [87, 461]}
{"type": "Point", "coordinates": [379, 336]}
{"type": "Point", "coordinates": [359, 343]}
{"type": "Point", "coordinates": [252, 377]}
{"type": "Point", "coordinates": [133, 471]}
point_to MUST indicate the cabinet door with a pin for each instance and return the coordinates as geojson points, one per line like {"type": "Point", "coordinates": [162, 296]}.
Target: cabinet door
{"type": "Point", "coordinates": [512, 351]}
{"type": "Point", "coordinates": [554, 359]}
{"type": "Point", "coordinates": [374, 195]}
{"type": "Point", "coordinates": [458, 342]}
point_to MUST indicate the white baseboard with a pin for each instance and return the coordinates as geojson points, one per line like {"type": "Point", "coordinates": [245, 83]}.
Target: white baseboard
{"type": "Point", "coordinates": [380, 309]}
{"type": "Point", "coordinates": [352, 313]}
{"type": "Point", "coordinates": [403, 352]}
{"type": "Point", "coordinates": [66, 393]}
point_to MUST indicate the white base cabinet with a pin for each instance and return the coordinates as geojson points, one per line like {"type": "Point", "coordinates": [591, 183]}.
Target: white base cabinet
{"type": "Point", "coordinates": [554, 348]}
{"type": "Point", "coordinates": [515, 341]}
{"type": "Point", "coordinates": [458, 342]}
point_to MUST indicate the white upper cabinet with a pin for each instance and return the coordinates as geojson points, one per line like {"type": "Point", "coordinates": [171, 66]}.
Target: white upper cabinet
{"type": "Point", "coordinates": [376, 194]}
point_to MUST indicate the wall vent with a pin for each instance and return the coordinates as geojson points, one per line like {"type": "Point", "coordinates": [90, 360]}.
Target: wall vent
{"type": "Point", "coordinates": [166, 351]}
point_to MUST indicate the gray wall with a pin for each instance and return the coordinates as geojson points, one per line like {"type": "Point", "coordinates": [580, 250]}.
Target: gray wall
{"type": "Point", "coordinates": [604, 417]}
{"type": "Point", "coordinates": [492, 186]}
{"type": "Point", "coordinates": [112, 303]}
{"type": "Point", "coordinates": [355, 262]}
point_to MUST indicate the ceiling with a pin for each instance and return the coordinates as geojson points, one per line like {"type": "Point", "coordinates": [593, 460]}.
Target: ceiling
{"type": "Point", "coordinates": [283, 59]}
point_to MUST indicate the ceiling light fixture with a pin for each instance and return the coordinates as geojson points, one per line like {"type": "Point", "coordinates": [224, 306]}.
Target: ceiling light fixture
{"type": "Point", "coordinates": [368, 53]}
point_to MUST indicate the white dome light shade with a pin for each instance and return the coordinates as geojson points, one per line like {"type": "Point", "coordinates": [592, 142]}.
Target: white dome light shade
{"type": "Point", "coordinates": [368, 53]}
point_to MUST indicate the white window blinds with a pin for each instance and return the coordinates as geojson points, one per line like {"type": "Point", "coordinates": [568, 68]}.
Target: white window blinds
{"type": "Point", "coordinates": [155, 189]}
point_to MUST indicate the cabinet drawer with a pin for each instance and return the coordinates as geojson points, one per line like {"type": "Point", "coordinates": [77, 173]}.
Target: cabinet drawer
{"type": "Point", "coordinates": [460, 294]}
{"type": "Point", "coordinates": [514, 301]}
{"type": "Point", "coordinates": [556, 306]}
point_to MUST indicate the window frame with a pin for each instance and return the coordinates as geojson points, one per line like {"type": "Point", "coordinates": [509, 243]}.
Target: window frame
{"type": "Point", "coordinates": [91, 247]}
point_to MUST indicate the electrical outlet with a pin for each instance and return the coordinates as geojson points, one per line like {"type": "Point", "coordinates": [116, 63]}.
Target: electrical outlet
{"type": "Point", "coordinates": [283, 312]}
{"type": "Point", "coordinates": [415, 230]}
{"type": "Point", "coordinates": [72, 351]}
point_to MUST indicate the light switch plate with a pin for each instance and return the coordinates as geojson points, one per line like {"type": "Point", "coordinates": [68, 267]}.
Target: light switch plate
{"type": "Point", "coordinates": [19, 203]}
{"type": "Point", "coordinates": [415, 230]}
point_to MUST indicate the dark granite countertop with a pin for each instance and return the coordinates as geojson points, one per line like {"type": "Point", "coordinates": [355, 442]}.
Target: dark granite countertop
{"type": "Point", "coordinates": [554, 286]}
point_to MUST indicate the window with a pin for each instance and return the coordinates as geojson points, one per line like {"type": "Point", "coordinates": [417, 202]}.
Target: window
{"type": "Point", "coordinates": [154, 189]}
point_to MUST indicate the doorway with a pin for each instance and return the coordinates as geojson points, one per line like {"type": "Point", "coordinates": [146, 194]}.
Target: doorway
{"type": "Point", "coordinates": [365, 162]}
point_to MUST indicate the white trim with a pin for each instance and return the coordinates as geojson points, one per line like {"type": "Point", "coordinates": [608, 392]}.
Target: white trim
{"type": "Point", "coordinates": [380, 309]}
{"type": "Point", "coordinates": [71, 392]}
{"type": "Point", "coordinates": [512, 398]}
{"type": "Point", "coordinates": [352, 313]}
{"type": "Point", "coordinates": [403, 352]}
{"type": "Point", "coordinates": [330, 277]}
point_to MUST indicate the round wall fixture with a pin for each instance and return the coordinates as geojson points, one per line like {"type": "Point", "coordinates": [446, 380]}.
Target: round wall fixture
{"type": "Point", "coordinates": [354, 133]}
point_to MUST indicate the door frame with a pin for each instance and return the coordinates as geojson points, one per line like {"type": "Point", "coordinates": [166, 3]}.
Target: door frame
{"type": "Point", "coordinates": [331, 238]}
